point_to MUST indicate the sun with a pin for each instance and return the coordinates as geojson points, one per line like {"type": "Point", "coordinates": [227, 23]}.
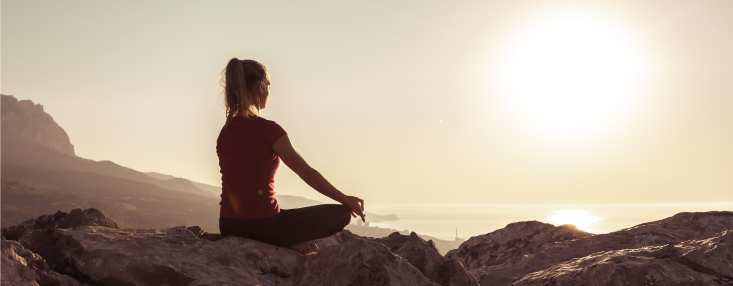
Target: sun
{"type": "Point", "coordinates": [570, 74]}
{"type": "Point", "coordinates": [579, 218]}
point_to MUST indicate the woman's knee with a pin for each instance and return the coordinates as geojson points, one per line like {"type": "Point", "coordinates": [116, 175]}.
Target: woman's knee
{"type": "Point", "coordinates": [344, 215]}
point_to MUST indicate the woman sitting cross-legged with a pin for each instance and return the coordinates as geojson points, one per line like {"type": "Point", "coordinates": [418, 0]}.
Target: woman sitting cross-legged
{"type": "Point", "coordinates": [249, 149]}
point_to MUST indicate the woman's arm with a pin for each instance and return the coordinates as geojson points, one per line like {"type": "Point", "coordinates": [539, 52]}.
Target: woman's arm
{"type": "Point", "coordinates": [313, 178]}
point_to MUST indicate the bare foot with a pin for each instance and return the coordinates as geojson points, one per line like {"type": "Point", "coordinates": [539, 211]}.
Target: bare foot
{"type": "Point", "coordinates": [304, 247]}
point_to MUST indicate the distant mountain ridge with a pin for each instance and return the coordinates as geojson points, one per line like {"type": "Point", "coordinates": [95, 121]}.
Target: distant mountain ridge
{"type": "Point", "coordinates": [22, 120]}
{"type": "Point", "coordinates": [214, 190]}
{"type": "Point", "coordinates": [30, 136]}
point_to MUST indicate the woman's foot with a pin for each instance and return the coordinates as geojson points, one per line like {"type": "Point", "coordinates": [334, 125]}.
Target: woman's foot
{"type": "Point", "coordinates": [305, 247]}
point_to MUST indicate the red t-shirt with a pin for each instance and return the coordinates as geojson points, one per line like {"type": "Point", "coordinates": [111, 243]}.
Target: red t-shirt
{"type": "Point", "coordinates": [248, 165]}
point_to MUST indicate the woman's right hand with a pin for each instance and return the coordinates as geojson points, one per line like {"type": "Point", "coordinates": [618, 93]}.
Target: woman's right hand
{"type": "Point", "coordinates": [356, 205]}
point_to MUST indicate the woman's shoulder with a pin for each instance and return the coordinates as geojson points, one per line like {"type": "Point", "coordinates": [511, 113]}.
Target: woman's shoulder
{"type": "Point", "coordinates": [266, 122]}
{"type": "Point", "coordinates": [271, 129]}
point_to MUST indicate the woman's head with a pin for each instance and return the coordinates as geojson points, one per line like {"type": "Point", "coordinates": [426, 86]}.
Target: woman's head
{"type": "Point", "coordinates": [246, 88]}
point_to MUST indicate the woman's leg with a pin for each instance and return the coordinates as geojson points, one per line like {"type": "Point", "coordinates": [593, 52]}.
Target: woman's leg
{"type": "Point", "coordinates": [293, 227]}
{"type": "Point", "coordinates": [306, 224]}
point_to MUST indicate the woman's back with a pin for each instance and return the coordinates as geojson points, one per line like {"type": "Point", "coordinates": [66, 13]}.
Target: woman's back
{"type": "Point", "coordinates": [248, 166]}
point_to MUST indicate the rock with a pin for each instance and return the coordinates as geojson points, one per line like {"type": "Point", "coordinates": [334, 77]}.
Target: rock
{"type": "Point", "coordinates": [86, 247]}
{"type": "Point", "coordinates": [357, 262]}
{"type": "Point", "coordinates": [426, 258]}
{"type": "Point", "coordinates": [173, 256]}
{"type": "Point", "coordinates": [712, 256]}
{"type": "Point", "coordinates": [336, 239]}
{"type": "Point", "coordinates": [60, 219]}
{"type": "Point", "coordinates": [418, 252]}
{"type": "Point", "coordinates": [516, 239]}
{"type": "Point", "coordinates": [694, 262]}
{"type": "Point", "coordinates": [15, 270]}
{"type": "Point", "coordinates": [20, 266]}
{"type": "Point", "coordinates": [505, 264]}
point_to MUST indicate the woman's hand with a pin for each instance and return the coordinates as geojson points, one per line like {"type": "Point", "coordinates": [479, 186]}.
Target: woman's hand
{"type": "Point", "coordinates": [356, 205]}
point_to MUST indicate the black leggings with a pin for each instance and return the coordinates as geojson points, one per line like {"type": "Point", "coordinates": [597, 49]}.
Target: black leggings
{"type": "Point", "coordinates": [290, 226]}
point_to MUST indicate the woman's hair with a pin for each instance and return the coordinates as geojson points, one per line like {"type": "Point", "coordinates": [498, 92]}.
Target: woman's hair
{"type": "Point", "coordinates": [237, 79]}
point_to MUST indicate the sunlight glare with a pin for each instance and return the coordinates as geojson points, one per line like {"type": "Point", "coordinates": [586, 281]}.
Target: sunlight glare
{"type": "Point", "coordinates": [570, 74]}
{"type": "Point", "coordinates": [579, 218]}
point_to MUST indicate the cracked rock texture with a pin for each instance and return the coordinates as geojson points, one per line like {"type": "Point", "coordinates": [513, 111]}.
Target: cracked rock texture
{"type": "Point", "coordinates": [20, 266]}
{"type": "Point", "coordinates": [503, 257]}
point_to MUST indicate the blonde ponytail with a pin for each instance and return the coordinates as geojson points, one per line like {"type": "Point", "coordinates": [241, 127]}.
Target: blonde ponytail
{"type": "Point", "coordinates": [237, 79]}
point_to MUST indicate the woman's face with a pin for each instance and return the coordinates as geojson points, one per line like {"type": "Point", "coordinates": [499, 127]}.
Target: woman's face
{"type": "Point", "coordinates": [265, 96]}
{"type": "Point", "coordinates": [263, 93]}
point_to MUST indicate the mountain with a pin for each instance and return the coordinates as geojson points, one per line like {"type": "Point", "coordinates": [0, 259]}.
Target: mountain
{"type": "Point", "coordinates": [32, 139]}
{"type": "Point", "coordinates": [24, 121]}
{"type": "Point", "coordinates": [41, 173]}
{"type": "Point", "coordinates": [214, 190]}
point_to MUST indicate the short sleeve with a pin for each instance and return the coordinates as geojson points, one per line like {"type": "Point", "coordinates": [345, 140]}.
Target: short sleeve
{"type": "Point", "coordinates": [273, 131]}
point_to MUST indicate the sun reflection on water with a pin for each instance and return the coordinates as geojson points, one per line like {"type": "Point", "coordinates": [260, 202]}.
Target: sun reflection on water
{"type": "Point", "coordinates": [579, 218]}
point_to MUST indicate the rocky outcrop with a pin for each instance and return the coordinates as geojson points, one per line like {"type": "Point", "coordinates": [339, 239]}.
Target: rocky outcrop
{"type": "Point", "coordinates": [100, 254]}
{"type": "Point", "coordinates": [421, 254]}
{"type": "Point", "coordinates": [86, 247]}
{"type": "Point", "coordinates": [511, 262]}
{"type": "Point", "coordinates": [23, 120]}
{"type": "Point", "coordinates": [515, 240]}
{"type": "Point", "coordinates": [694, 262]}
{"type": "Point", "coordinates": [357, 262]}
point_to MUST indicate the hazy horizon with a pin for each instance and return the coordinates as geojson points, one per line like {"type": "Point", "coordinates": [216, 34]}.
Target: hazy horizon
{"type": "Point", "coordinates": [408, 103]}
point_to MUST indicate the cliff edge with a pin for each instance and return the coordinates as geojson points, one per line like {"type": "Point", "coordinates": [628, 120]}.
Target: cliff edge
{"type": "Point", "coordinates": [23, 120]}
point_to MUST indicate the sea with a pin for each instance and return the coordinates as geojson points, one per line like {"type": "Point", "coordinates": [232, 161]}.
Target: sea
{"type": "Point", "coordinates": [463, 221]}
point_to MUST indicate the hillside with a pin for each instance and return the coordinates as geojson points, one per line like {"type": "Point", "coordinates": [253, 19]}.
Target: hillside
{"type": "Point", "coordinates": [32, 139]}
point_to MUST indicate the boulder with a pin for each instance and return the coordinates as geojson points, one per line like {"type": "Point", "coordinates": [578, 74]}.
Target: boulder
{"type": "Point", "coordinates": [357, 262]}
{"type": "Point", "coordinates": [693, 262]}
{"type": "Point", "coordinates": [516, 239]}
{"type": "Point", "coordinates": [173, 256]}
{"type": "Point", "coordinates": [425, 256]}
{"type": "Point", "coordinates": [506, 264]}
{"type": "Point", "coordinates": [422, 254]}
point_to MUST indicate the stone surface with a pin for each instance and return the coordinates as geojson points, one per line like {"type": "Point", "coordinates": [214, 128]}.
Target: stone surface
{"type": "Point", "coordinates": [20, 266]}
{"type": "Point", "coordinates": [357, 262]}
{"type": "Point", "coordinates": [419, 253]}
{"type": "Point", "coordinates": [672, 230]}
{"type": "Point", "coordinates": [90, 248]}
{"type": "Point", "coordinates": [516, 239]}
{"type": "Point", "coordinates": [425, 256]}
{"type": "Point", "coordinates": [174, 256]}
{"type": "Point", "coordinates": [694, 262]}
{"type": "Point", "coordinates": [84, 247]}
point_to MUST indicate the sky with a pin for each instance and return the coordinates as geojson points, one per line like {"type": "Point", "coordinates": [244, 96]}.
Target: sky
{"type": "Point", "coordinates": [401, 102]}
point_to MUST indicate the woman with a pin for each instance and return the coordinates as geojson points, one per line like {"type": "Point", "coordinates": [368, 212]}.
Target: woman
{"type": "Point", "coordinates": [249, 149]}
